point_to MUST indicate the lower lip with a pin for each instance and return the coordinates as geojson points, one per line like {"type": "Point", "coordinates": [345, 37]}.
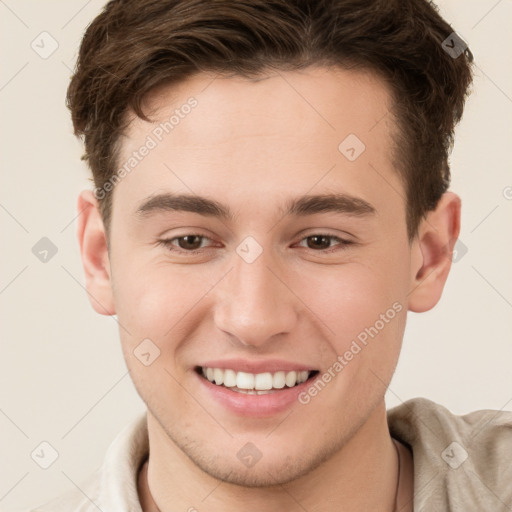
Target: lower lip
{"type": "Point", "coordinates": [254, 405]}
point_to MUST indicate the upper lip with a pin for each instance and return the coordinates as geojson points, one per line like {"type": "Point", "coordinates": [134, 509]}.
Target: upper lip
{"type": "Point", "coordinates": [262, 366]}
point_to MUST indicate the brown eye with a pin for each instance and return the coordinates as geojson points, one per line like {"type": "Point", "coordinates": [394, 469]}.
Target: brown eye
{"type": "Point", "coordinates": [323, 242]}
{"type": "Point", "coordinates": [319, 242]}
{"type": "Point", "coordinates": [189, 242]}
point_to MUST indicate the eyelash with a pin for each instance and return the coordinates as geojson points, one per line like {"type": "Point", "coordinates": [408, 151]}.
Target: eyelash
{"type": "Point", "coordinates": [168, 243]}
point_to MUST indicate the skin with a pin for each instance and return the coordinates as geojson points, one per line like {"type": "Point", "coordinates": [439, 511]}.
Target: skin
{"type": "Point", "coordinates": [252, 145]}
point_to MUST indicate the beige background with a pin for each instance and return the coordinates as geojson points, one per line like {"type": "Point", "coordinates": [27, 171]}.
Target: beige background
{"type": "Point", "coordinates": [63, 378]}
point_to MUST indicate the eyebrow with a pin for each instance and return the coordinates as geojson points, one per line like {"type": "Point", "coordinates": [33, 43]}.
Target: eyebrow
{"type": "Point", "coordinates": [301, 206]}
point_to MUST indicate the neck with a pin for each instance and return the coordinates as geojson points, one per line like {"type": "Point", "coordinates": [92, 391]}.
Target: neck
{"type": "Point", "coordinates": [360, 476]}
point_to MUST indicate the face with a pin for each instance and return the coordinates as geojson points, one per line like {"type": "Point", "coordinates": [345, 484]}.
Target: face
{"type": "Point", "coordinates": [258, 284]}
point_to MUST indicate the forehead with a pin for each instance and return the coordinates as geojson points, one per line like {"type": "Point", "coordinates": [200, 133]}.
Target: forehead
{"type": "Point", "coordinates": [281, 131]}
{"type": "Point", "coordinates": [320, 100]}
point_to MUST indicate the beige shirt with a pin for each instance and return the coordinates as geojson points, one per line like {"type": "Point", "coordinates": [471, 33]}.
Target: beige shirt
{"type": "Point", "coordinates": [461, 463]}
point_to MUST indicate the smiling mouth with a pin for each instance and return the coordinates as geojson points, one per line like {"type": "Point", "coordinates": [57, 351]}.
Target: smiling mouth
{"type": "Point", "coordinates": [255, 383]}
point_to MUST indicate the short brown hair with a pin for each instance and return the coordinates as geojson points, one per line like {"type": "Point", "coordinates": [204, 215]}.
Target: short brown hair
{"type": "Point", "coordinates": [132, 46]}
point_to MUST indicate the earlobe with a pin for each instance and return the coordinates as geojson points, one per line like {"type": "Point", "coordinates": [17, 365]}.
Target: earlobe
{"type": "Point", "coordinates": [432, 250]}
{"type": "Point", "coordinates": [94, 253]}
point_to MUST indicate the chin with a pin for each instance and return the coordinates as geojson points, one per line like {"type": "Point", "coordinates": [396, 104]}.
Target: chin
{"type": "Point", "coordinates": [267, 474]}
{"type": "Point", "coordinates": [271, 470]}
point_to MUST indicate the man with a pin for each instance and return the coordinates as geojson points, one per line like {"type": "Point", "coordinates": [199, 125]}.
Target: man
{"type": "Point", "coordinates": [271, 199]}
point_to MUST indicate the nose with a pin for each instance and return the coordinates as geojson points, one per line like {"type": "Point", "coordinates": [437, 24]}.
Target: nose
{"type": "Point", "coordinates": [254, 303]}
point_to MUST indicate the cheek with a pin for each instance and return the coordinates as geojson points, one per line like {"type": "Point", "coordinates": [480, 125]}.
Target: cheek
{"type": "Point", "coordinates": [142, 301]}
{"type": "Point", "coordinates": [155, 301]}
{"type": "Point", "coordinates": [149, 309]}
{"type": "Point", "coordinates": [350, 297]}
{"type": "Point", "coordinates": [362, 313]}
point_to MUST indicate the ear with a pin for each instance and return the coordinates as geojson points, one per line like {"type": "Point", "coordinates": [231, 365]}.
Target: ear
{"type": "Point", "coordinates": [93, 249]}
{"type": "Point", "coordinates": [432, 253]}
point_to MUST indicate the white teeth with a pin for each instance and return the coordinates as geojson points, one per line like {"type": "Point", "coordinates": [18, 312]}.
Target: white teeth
{"type": "Point", "coordinates": [250, 383]}
{"type": "Point", "coordinates": [229, 378]}
{"type": "Point", "coordinates": [302, 377]}
{"type": "Point", "coordinates": [244, 380]}
{"type": "Point", "coordinates": [251, 391]}
{"type": "Point", "coordinates": [263, 381]}
{"type": "Point", "coordinates": [290, 379]}
{"type": "Point", "coordinates": [278, 380]}
{"type": "Point", "coordinates": [218, 376]}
